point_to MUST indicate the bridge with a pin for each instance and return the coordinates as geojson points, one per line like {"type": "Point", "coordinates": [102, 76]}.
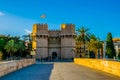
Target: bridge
{"type": "Point", "coordinates": [58, 71]}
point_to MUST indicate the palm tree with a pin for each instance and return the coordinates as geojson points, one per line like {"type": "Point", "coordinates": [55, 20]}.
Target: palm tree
{"type": "Point", "coordinates": [95, 45]}
{"type": "Point", "coordinates": [11, 47]}
{"type": "Point", "coordinates": [21, 47]}
{"type": "Point", "coordinates": [28, 39]}
{"type": "Point", "coordinates": [83, 36]}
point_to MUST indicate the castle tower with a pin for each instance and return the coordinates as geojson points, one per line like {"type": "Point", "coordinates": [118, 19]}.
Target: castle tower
{"type": "Point", "coordinates": [53, 43]}
{"type": "Point", "coordinates": [67, 40]}
{"type": "Point", "coordinates": [42, 41]}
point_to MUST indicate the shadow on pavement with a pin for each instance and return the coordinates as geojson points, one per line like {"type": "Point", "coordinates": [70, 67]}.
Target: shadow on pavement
{"type": "Point", "coordinates": [57, 60]}
{"type": "Point", "coordinates": [34, 72]}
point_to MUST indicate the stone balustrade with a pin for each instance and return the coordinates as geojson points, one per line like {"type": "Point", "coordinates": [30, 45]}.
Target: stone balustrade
{"type": "Point", "coordinates": [10, 66]}
{"type": "Point", "coordinates": [112, 67]}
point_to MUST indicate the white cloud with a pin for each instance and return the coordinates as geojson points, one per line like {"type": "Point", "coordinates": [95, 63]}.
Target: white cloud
{"type": "Point", "coordinates": [27, 31]}
{"type": "Point", "coordinates": [1, 14]}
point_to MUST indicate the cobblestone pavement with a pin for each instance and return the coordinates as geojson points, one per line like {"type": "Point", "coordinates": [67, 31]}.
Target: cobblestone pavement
{"type": "Point", "coordinates": [58, 71]}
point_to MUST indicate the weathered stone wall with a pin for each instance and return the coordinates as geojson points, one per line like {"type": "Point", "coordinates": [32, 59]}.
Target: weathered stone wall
{"type": "Point", "coordinates": [42, 47]}
{"type": "Point", "coordinates": [10, 66]}
{"type": "Point", "coordinates": [67, 46]}
{"type": "Point", "coordinates": [111, 67]}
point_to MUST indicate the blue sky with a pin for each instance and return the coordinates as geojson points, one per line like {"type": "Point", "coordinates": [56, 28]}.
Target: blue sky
{"type": "Point", "coordinates": [101, 16]}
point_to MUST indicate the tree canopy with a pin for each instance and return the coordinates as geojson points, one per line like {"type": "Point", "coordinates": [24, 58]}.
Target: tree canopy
{"type": "Point", "coordinates": [13, 46]}
{"type": "Point", "coordinates": [110, 50]}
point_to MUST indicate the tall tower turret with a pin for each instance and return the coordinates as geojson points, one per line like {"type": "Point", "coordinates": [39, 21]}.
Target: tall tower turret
{"type": "Point", "coordinates": [67, 40]}
{"type": "Point", "coordinates": [42, 40]}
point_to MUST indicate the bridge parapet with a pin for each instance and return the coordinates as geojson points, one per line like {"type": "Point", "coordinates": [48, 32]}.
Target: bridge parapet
{"type": "Point", "coordinates": [10, 66]}
{"type": "Point", "coordinates": [112, 67]}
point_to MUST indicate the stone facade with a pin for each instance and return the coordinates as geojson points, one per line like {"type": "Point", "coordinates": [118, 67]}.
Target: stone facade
{"type": "Point", "coordinates": [116, 42]}
{"type": "Point", "coordinates": [50, 43]}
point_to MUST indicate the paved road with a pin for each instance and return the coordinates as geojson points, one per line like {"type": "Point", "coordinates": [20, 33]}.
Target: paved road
{"type": "Point", "coordinates": [58, 71]}
{"type": "Point", "coordinates": [70, 71]}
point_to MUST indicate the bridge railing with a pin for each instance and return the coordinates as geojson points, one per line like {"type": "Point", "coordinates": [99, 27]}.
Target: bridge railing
{"type": "Point", "coordinates": [108, 66]}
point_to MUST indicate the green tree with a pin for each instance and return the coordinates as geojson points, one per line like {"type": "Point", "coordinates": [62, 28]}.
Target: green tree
{"type": "Point", "coordinates": [21, 47]}
{"type": "Point", "coordinates": [95, 45]}
{"type": "Point", "coordinates": [110, 50]}
{"type": "Point", "coordinates": [1, 44]}
{"type": "Point", "coordinates": [18, 46]}
{"type": "Point", "coordinates": [83, 36]}
{"type": "Point", "coordinates": [3, 40]}
{"type": "Point", "coordinates": [11, 47]}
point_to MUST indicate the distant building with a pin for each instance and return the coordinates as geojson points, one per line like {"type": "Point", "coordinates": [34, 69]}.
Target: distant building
{"type": "Point", "coordinates": [116, 42]}
{"type": "Point", "coordinates": [53, 43]}
{"type": "Point", "coordinates": [79, 50]}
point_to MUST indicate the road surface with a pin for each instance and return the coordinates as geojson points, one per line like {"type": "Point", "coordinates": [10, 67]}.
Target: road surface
{"type": "Point", "coordinates": [58, 71]}
{"type": "Point", "coordinates": [71, 71]}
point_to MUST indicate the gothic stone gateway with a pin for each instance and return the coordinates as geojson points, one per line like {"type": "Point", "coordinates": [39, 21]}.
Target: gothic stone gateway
{"type": "Point", "coordinates": [54, 43]}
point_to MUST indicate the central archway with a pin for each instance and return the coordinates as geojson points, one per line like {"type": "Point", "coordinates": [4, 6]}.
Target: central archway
{"type": "Point", "coordinates": [54, 55]}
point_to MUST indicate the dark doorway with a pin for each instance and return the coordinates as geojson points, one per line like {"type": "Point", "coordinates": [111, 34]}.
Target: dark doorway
{"type": "Point", "coordinates": [54, 55]}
